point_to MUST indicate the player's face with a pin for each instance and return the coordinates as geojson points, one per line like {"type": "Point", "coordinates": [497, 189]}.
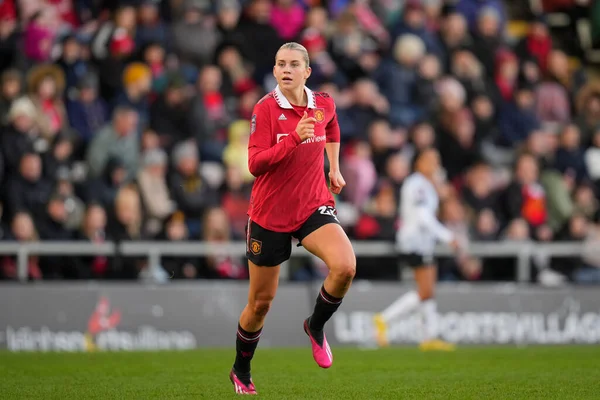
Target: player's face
{"type": "Point", "coordinates": [290, 69]}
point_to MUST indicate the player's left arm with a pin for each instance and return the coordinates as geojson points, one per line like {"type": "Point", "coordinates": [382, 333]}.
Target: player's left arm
{"type": "Point", "coordinates": [332, 147]}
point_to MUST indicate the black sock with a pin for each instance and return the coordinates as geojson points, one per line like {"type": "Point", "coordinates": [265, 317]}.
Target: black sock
{"type": "Point", "coordinates": [324, 309]}
{"type": "Point", "coordinates": [245, 345]}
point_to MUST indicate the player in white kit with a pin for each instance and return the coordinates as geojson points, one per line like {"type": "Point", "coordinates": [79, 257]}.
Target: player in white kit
{"type": "Point", "coordinates": [417, 237]}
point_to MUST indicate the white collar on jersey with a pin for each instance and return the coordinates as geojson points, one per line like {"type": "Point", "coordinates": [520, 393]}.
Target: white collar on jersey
{"type": "Point", "coordinates": [284, 103]}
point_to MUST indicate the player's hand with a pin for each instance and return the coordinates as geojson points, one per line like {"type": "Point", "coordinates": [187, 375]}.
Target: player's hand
{"type": "Point", "coordinates": [337, 181]}
{"type": "Point", "coordinates": [459, 247]}
{"type": "Point", "coordinates": [455, 245]}
{"type": "Point", "coordinates": [306, 127]}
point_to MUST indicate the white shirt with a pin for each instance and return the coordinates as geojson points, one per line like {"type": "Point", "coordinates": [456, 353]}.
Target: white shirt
{"type": "Point", "coordinates": [419, 227]}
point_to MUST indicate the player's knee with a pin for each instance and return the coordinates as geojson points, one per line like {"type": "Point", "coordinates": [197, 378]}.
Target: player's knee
{"type": "Point", "coordinates": [260, 307]}
{"type": "Point", "coordinates": [345, 269]}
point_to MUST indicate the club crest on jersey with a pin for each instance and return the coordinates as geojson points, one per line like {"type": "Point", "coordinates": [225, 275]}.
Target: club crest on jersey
{"type": "Point", "coordinates": [255, 246]}
{"type": "Point", "coordinates": [319, 115]}
{"type": "Point", "coordinates": [253, 124]}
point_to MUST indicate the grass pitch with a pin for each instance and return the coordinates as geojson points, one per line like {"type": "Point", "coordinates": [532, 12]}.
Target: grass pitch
{"type": "Point", "coordinates": [397, 373]}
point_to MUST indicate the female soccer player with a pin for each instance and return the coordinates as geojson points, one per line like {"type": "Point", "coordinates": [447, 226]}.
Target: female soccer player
{"type": "Point", "coordinates": [290, 127]}
{"type": "Point", "coordinates": [417, 238]}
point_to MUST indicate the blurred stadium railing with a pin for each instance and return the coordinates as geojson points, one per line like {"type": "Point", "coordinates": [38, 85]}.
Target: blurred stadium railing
{"type": "Point", "coordinates": [523, 252]}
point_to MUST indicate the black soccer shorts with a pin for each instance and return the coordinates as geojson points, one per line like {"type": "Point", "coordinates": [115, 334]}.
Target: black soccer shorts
{"type": "Point", "coordinates": [416, 260]}
{"type": "Point", "coordinates": [266, 248]}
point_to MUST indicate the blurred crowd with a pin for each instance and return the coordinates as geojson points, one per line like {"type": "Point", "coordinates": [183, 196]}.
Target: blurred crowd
{"type": "Point", "coordinates": [128, 120]}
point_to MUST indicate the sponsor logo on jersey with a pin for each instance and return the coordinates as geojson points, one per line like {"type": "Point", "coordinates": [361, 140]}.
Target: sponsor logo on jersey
{"type": "Point", "coordinates": [282, 118]}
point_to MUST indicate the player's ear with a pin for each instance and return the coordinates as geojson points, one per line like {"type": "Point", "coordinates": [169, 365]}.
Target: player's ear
{"type": "Point", "coordinates": [308, 72]}
{"type": "Point", "coordinates": [275, 76]}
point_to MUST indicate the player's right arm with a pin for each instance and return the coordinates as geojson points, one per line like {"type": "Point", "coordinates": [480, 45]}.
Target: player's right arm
{"type": "Point", "coordinates": [262, 157]}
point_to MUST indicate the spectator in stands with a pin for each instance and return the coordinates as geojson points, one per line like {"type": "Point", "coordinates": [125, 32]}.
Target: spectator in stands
{"type": "Point", "coordinates": [195, 24]}
{"type": "Point", "coordinates": [116, 140]}
{"type": "Point", "coordinates": [9, 36]}
{"type": "Point", "coordinates": [458, 148]}
{"type": "Point", "coordinates": [150, 28]}
{"type": "Point", "coordinates": [570, 156]}
{"type": "Point", "coordinates": [93, 230]}
{"type": "Point", "coordinates": [235, 199]}
{"type": "Point", "coordinates": [87, 112]}
{"type": "Point", "coordinates": [380, 144]}
{"type": "Point", "coordinates": [228, 16]}
{"type": "Point", "coordinates": [287, 17]}
{"type": "Point", "coordinates": [458, 268]}
{"type": "Point", "coordinates": [125, 224]}
{"type": "Point", "coordinates": [154, 191]}
{"type": "Point", "coordinates": [486, 226]}
{"type": "Point", "coordinates": [360, 174]}
{"type": "Point", "coordinates": [236, 151]}
{"type": "Point", "coordinates": [170, 114]}
{"type": "Point", "coordinates": [559, 70]}
{"type": "Point", "coordinates": [111, 66]}
{"type": "Point", "coordinates": [378, 222]}
{"type": "Point", "coordinates": [422, 136]}
{"type": "Point", "coordinates": [429, 72]}
{"type": "Point", "coordinates": [11, 88]}
{"type": "Point", "coordinates": [26, 190]}
{"type": "Point", "coordinates": [137, 82]}
{"type": "Point", "coordinates": [396, 79]}
{"type": "Point", "coordinates": [478, 192]}
{"type": "Point", "coordinates": [22, 230]}
{"type": "Point", "coordinates": [21, 135]}
{"type": "Point", "coordinates": [219, 264]}
{"type": "Point", "coordinates": [72, 62]}
{"type": "Point", "coordinates": [537, 44]}
{"type": "Point", "coordinates": [592, 159]}
{"type": "Point", "coordinates": [46, 86]}
{"type": "Point", "coordinates": [104, 188]}
{"type": "Point", "coordinates": [40, 33]}
{"type": "Point", "coordinates": [585, 202]}
{"type": "Point", "coordinates": [209, 115]}
{"type": "Point", "coordinates": [189, 190]}
{"type": "Point", "coordinates": [517, 118]}
{"type": "Point", "coordinates": [588, 108]}
{"type": "Point", "coordinates": [60, 157]}
{"type": "Point", "coordinates": [175, 230]}
{"type": "Point", "coordinates": [155, 57]}
{"type": "Point", "coordinates": [52, 221]}
{"type": "Point", "coordinates": [122, 26]}
{"type": "Point", "coordinates": [525, 197]}
{"type": "Point", "coordinates": [369, 104]}
{"type": "Point", "coordinates": [473, 10]}
{"type": "Point", "coordinates": [487, 40]}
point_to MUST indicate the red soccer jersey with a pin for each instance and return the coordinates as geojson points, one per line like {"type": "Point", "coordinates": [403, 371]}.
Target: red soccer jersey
{"type": "Point", "coordinates": [290, 178]}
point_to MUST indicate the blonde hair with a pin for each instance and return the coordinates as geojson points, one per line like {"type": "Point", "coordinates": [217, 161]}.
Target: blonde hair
{"type": "Point", "coordinates": [297, 47]}
{"type": "Point", "coordinates": [128, 200]}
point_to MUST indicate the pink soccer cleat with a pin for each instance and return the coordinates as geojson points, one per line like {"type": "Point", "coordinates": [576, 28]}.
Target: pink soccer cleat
{"type": "Point", "coordinates": [239, 386]}
{"type": "Point", "coordinates": [321, 352]}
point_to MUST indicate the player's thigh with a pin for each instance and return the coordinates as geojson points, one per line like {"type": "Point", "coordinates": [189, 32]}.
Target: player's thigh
{"type": "Point", "coordinates": [424, 271]}
{"type": "Point", "coordinates": [263, 283]}
{"type": "Point", "coordinates": [265, 250]}
{"type": "Point", "coordinates": [323, 236]}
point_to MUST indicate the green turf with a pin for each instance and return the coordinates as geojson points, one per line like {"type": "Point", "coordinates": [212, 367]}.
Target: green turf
{"type": "Point", "coordinates": [399, 373]}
